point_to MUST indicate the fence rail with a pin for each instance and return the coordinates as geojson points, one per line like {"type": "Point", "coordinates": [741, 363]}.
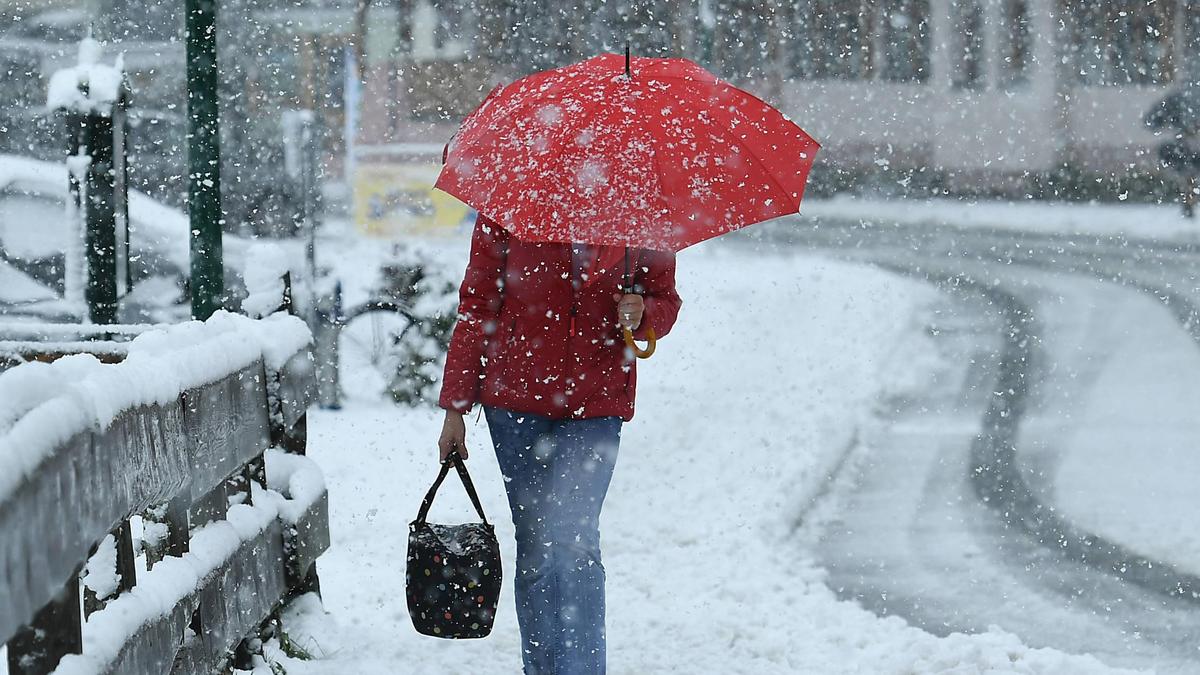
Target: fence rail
{"type": "Point", "coordinates": [216, 574]}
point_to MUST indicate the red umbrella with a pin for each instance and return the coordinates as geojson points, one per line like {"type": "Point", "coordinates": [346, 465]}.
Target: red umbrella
{"type": "Point", "coordinates": [642, 152]}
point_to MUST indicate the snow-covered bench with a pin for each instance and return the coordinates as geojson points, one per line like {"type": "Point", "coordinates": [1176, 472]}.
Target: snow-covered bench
{"type": "Point", "coordinates": [189, 420]}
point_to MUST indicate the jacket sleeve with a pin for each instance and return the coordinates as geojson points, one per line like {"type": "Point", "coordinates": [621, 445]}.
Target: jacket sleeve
{"type": "Point", "coordinates": [480, 297]}
{"type": "Point", "coordinates": [656, 279]}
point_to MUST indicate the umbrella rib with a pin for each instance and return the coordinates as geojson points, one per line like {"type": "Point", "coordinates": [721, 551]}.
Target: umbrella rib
{"type": "Point", "coordinates": [520, 109]}
{"type": "Point", "coordinates": [584, 120]}
{"type": "Point", "coordinates": [804, 135]}
{"type": "Point", "coordinates": [639, 122]}
{"type": "Point", "coordinates": [573, 131]}
{"type": "Point", "coordinates": [659, 173]}
{"type": "Point", "coordinates": [791, 202]}
{"type": "Point", "coordinates": [787, 195]}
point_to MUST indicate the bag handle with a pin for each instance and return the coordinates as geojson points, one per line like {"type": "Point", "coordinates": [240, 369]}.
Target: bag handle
{"type": "Point", "coordinates": [456, 460]}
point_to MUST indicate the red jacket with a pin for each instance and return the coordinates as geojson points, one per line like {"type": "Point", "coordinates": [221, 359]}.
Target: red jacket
{"type": "Point", "coordinates": [527, 341]}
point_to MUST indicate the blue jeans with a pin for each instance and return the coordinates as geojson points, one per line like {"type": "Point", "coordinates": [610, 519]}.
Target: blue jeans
{"type": "Point", "coordinates": [556, 473]}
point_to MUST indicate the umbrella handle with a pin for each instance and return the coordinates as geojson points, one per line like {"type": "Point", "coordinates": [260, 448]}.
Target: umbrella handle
{"type": "Point", "coordinates": [651, 343]}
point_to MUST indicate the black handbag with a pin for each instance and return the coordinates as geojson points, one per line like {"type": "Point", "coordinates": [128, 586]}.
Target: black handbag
{"type": "Point", "coordinates": [453, 575]}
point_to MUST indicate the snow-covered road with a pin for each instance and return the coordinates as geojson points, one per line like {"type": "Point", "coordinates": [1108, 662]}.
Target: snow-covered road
{"type": "Point", "coordinates": [1105, 444]}
{"type": "Point", "coordinates": [776, 369]}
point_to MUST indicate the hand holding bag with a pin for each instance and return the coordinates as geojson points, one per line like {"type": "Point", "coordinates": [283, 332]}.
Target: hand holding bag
{"type": "Point", "coordinates": [453, 580]}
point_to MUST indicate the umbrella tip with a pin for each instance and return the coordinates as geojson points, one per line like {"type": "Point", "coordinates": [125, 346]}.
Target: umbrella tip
{"type": "Point", "coordinates": [627, 72]}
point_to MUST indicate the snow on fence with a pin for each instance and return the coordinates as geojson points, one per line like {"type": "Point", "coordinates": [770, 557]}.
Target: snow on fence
{"type": "Point", "coordinates": [197, 432]}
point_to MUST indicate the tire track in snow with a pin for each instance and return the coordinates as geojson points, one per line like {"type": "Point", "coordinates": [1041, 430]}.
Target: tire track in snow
{"type": "Point", "coordinates": [995, 471]}
{"type": "Point", "coordinates": [996, 474]}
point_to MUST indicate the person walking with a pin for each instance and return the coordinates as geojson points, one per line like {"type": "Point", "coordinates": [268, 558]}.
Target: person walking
{"type": "Point", "coordinates": [539, 345]}
{"type": "Point", "coordinates": [632, 159]}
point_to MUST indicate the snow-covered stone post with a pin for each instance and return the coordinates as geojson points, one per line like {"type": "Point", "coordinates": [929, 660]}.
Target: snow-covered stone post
{"type": "Point", "coordinates": [89, 96]}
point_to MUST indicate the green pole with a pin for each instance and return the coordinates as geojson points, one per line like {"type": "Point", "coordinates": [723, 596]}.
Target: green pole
{"type": "Point", "coordinates": [204, 159]}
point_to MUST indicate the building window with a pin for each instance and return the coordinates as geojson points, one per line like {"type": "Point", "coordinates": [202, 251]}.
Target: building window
{"type": "Point", "coordinates": [1017, 55]}
{"type": "Point", "coordinates": [968, 37]}
{"type": "Point", "coordinates": [862, 40]}
{"type": "Point", "coordinates": [905, 44]}
{"type": "Point", "coordinates": [436, 29]}
{"type": "Point", "coordinates": [1124, 42]}
{"type": "Point", "coordinates": [452, 28]}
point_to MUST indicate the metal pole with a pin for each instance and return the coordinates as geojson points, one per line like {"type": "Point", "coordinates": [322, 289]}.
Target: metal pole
{"type": "Point", "coordinates": [204, 159]}
{"type": "Point", "coordinates": [308, 188]}
{"type": "Point", "coordinates": [353, 98]}
{"type": "Point", "coordinates": [101, 238]}
{"type": "Point", "coordinates": [121, 190]}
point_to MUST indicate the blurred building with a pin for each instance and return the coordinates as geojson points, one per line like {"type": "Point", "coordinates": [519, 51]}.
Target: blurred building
{"type": "Point", "coordinates": [1019, 96]}
{"type": "Point", "coordinates": [986, 92]}
{"type": "Point", "coordinates": [992, 95]}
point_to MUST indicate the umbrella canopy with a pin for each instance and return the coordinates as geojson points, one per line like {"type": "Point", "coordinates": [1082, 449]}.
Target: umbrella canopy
{"type": "Point", "coordinates": [642, 152]}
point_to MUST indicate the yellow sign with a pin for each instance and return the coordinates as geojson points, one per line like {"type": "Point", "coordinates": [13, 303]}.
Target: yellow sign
{"type": "Point", "coordinates": [398, 199]}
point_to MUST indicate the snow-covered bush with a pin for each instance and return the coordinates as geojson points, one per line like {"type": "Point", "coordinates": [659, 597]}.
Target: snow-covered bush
{"type": "Point", "coordinates": [421, 283]}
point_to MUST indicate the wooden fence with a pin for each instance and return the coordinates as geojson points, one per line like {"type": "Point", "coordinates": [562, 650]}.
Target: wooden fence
{"type": "Point", "coordinates": [178, 467]}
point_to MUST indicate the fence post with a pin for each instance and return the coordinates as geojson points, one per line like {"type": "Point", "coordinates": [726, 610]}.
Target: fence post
{"type": "Point", "coordinates": [301, 161]}
{"type": "Point", "coordinates": [56, 630]}
{"type": "Point", "coordinates": [325, 336]}
{"type": "Point", "coordinates": [287, 302]}
{"type": "Point", "coordinates": [125, 566]}
{"type": "Point", "coordinates": [178, 529]}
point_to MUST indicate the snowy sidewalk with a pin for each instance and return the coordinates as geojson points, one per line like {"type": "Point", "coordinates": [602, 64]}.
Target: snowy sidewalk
{"type": "Point", "coordinates": [774, 363]}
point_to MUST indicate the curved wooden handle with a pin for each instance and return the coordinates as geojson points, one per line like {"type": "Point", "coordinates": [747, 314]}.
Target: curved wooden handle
{"type": "Point", "coordinates": [651, 343]}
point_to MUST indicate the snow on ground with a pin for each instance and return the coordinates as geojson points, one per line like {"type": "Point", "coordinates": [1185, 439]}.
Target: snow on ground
{"type": "Point", "coordinates": [16, 286]}
{"type": "Point", "coordinates": [773, 365]}
{"type": "Point", "coordinates": [1129, 470]}
{"type": "Point", "coordinates": [1142, 221]}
